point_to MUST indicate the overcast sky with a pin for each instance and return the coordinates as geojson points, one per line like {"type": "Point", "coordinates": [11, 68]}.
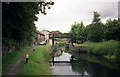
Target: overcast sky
{"type": "Point", "coordinates": [65, 12]}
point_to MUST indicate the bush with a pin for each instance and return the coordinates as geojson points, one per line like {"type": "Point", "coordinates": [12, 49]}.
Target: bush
{"type": "Point", "coordinates": [103, 48]}
{"type": "Point", "coordinates": [61, 44]}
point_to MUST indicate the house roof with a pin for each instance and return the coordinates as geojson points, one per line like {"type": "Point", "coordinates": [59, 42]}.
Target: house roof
{"type": "Point", "coordinates": [45, 30]}
{"type": "Point", "coordinates": [54, 32]}
{"type": "Point", "coordinates": [39, 33]}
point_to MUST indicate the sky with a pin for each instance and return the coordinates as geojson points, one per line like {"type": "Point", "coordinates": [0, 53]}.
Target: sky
{"type": "Point", "coordinates": [64, 13]}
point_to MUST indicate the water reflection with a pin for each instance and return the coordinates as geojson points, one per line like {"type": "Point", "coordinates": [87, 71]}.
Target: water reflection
{"type": "Point", "coordinates": [63, 69]}
{"type": "Point", "coordinates": [63, 57]}
{"type": "Point", "coordinates": [84, 67]}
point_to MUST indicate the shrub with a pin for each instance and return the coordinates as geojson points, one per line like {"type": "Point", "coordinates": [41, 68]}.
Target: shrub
{"type": "Point", "coordinates": [103, 48]}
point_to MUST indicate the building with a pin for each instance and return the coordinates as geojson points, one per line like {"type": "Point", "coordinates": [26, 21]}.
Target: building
{"type": "Point", "coordinates": [39, 37]}
{"type": "Point", "coordinates": [56, 34]}
{"type": "Point", "coordinates": [46, 33]}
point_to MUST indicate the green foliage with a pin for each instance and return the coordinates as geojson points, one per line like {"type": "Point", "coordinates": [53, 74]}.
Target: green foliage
{"type": "Point", "coordinates": [55, 39]}
{"type": "Point", "coordinates": [18, 26]}
{"type": "Point", "coordinates": [96, 31]}
{"type": "Point", "coordinates": [103, 48]}
{"type": "Point", "coordinates": [71, 51]}
{"type": "Point", "coordinates": [77, 32]}
{"type": "Point", "coordinates": [61, 44]}
{"type": "Point", "coordinates": [87, 32]}
{"type": "Point", "coordinates": [20, 20]}
{"type": "Point", "coordinates": [112, 30]}
{"type": "Point", "coordinates": [12, 57]}
{"type": "Point", "coordinates": [54, 49]}
{"type": "Point", "coordinates": [80, 45]}
{"type": "Point", "coordinates": [91, 62]}
{"type": "Point", "coordinates": [38, 62]}
{"type": "Point", "coordinates": [59, 32]}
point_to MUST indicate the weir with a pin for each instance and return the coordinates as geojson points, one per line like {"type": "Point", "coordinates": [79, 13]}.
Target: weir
{"type": "Point", "coordinates": [60, 61]}
{"type": "Point", "coordinates": [64, 58]}
{"type": "Point", "coordinates": [52, 36]}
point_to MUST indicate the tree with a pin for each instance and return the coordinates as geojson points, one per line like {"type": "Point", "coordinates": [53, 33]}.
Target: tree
{"type": "Point", "coordinates": [97, 29]}
{"type": "Point", "coordinates": [18, 26]}
{"type": "Point", "coordinates": [80, 32]}
{"type": "Point", "coordinates": [59, 32]}
{"type": "Point", "coordinates": [77, 32]}
{"type": "Point", "coordinates": [73, 32]}
{"type": "Point", "coordinates": [112, 30]}
{"type": "Point", "coordinates": [87, 32]}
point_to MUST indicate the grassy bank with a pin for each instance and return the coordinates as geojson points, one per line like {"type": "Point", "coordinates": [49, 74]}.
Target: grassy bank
{"type": "Point", "coordinates": [80, 45]}
{"type": "Point", "coordinates": [109, 49]}
{"type": "Point", "coordinates": [10, 58]}
{"type": "Point", "coordinates": [102, 60]}
{"type": "Point", "coordinates": [38, 62]}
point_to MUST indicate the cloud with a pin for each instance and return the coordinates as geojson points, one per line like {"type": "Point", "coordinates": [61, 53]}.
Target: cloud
{"type": "Point", "coordinates": [65, 12]}
{"type": "Point", "coordinates": [119, 9]}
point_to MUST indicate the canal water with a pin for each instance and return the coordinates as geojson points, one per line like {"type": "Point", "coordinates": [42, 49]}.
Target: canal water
{"type": "Point", "coordinates": [85, 65]}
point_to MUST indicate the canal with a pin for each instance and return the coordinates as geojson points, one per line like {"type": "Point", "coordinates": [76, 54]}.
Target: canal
{"type": "Point", "coordinates": [85, 65]}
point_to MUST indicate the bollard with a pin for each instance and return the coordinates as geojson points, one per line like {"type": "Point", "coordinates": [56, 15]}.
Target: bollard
{"type": "Point", "coordinates": [53, 60]}
{"type": "Point", "coordinates": [72, 58]}
{"type": "Point", "coordinates": [26, 58]}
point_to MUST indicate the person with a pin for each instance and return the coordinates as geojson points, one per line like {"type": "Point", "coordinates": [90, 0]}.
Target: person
{"type": "Point", "coordinates": [33, 48]}
{"type": "Point", "coordinates": [26, 58]}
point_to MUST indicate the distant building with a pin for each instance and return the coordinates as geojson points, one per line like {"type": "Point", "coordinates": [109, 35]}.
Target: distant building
{"type": "Point", "coordinates": [46, 33]}
{"type": "Point", "coordinates": [56, 34]}
{"type": "Point", "coordinates": [39, 37]}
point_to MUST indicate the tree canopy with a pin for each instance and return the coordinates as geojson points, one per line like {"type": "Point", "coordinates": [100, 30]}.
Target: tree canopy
{"type": "Point", "coordinates": [77, 32]}
{"type": "Point", "coordinates": [96, 31]}
{"type": "Point", "coordinates": [18, 26]}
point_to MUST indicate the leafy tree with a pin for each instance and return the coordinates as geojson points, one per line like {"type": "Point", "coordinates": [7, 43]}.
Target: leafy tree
{"type": "Point", "coordinates": [18, 26]}
{"type": "Point", "coordinates": [97, 29]}
{"type": "Point", "coordinates": [80, 32]}
{"type": "Point", "coordinates": [112, 30]}
{"type": "Point", "coordinates": [73, 32]}
{"type": "Point", "coordinates": [77, 32]}
{"type": "Point", "coordinates": [87, 32]}
{"type": "Point", "coordinates": [59, 32]}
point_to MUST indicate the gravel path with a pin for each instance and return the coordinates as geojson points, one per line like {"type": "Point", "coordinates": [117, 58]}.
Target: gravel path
{"type": "Point", "coordinates": [16, 67]}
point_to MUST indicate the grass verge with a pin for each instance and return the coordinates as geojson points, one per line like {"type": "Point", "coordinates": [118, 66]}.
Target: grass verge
{"type": "Point", "coordinates": [80, 45]}
{"type": "Point", "coordinates": [10, 58]}
{"type": "Point", "coordinates": [108, 49]}
{"type": "Point", "coordinates": [103, 61]}
{"type": "Point", "coordinates": [38, 62]}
